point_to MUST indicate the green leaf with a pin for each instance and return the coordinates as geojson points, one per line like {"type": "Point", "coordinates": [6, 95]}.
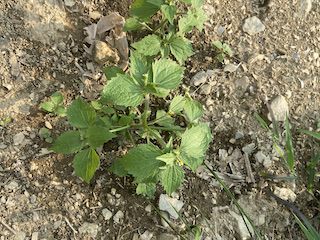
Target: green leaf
{"type": "Point", "coordinates": [177, 104]}
{"type": "Point", "coordinates": [122, 90]}
{"type": "Point", "coordinates": [112, 71]}
{"type": "Point", "coordinates": [125, 120]}
{"type": "Point", "coordinates": [193, 109]}
{"type": "Point", "coordinates": [61, 111]}
{"type": "Point", "coordinates": [194, 144]}
{"type": "Point", "coordinates": [220, 58]}
{"type": "Point", "coordinates": [49, 140]}
{"type": "Point", "coordinates": [141, 162]}
{"type": "Point", "coordinates": [138, 68]}
{"type": "Point", "coordinates": [96, 105]}
{"type": "Point", "coordinates": [290, 156]}
{"type": "Point", "coordinates": [186, 1]}
{"type": "Point", "coordinates": [218, 44]}
{"type": "Point", "coordinates": [171, 178]}
{"type": "Point", "coordinates": [132, 23]}
{"type": "Point", "coordinates": [80, 114]}
{"type": "Point", "coordinates": [200, 18]}
{"type": "Point", "coordinates": [164, 119]}
{"type": "Point", "coordinates": [45, 133]}
{"type": "Point", "coordinates": [313, 134]}
{"type": "Point", "coordinates": [108, 110]}
{"type": "Point", "coordinates": [144, 8]}
{"type": "Point", "coordinates": [85, 164]}
{"type": "Point", "coordinates": [187, 23]}
{"type": "Point", "coordinates": [146, 188]}
{"type": "Point", "coordinates": [57, 98]}
{"type": "Point", "coordinates": [98, 135]}
{"type": "Point", "coordinates": [68, 142]}
{"type": "Point", "coordinates": [168, 158]}
{"type": "Point", "coordinates": [169, 11]}
{"type": "Point", "coordinates": [169, 146]}
{"type": "Point", "coordinates": [106, 121]}
{"type": "Point", "coordinates": [164, 50]}
{"type": "Point", "coordinates": [48, 106]}
{"type": "Point", "coordinates": [197, 3]}
{"type": "Point", "coordinates": [118, 169]}
{"type": "Point", "coordinates": [167, 74]}
{"type": "Point", "coordinates": [181, 48]}
{"type": "Point", "coordinates": [148, 46]}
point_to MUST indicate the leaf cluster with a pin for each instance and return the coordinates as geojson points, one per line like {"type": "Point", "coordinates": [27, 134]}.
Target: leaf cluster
{"type": "Point", "coordinates": [222, 50]}
{"type": "Point", "coordinates": [54, 106]}
{"type": "Point", "coordinates": [168, 36]}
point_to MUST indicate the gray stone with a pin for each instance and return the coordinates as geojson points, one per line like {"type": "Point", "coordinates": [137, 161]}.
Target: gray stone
{"type": "Point", "coordinates": [118, 216]}
{"type": "Point", "coordinates": [206, 89]}
{"type": "Point", "coordinates": [239, 135]}
{"type": "Point", "coordinates": [69, 3]}
{"type": "Point", "coordinates": [249, 148]}
{"type": "Point", "coordinates": [241, 86]}
{"type": "Point", "coordinates": [220, 30]}
{"type": "Point", "coordinates": [18, 139]}
{"type": "Point", "coordinates": [253, 25]}
{"type": "Point", "coordinates": [241, 227]}
{"type": "Point", "coordinates": [20, 236]}
{"type": "Point", "coordinates": [35, 236]}
{"type": "Point", "coordinates": [166, 216]}
{"type": "Point", "coordinates": [199, 78]}
{"type": "Point", "coordinates": [107, 214]}
{"type": "Point", "coordinates": [167, 204]}
{"type": "Point", "coordinates": [280, 108]}
{"type": "Point", "coordinates": [33, 199]}
{"type": "Point", "coordinates": [89, 229]}
{"type": "Point", "coordinates": [148, 208]}
{"type": "Point", "coordinates": [166, 236]}
{"type": "Point", "coordinates": [230, 67]}
{"type": "Point", "coordinates": [2, 146]}
{"type": "Point", "coordinates": [13, 185]}
{"type": "Point", "coordinates": [263, 159]}
{"type": "Point", "coordinates": [57, 224]}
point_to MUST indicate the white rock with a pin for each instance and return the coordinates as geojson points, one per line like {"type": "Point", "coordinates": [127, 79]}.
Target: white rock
{"type": "Point", "coordinates": [146, 235]}
{"type": "Point", "coordinates": [13, 185]}
{"type": "Point", "coordinates": [285, 194]}
{"type": "Point", "coordinates": [89, 229]}
{"type": "Point", "coordinates": [280, 108]}
{"type": "Point", "coordinates": [253, 25]}
{"type": "Point", "coordinates": [166, 204]}
{"type": "Point", "coordinates": [118, 216]}
{"type": "Point", "coordinates": [166, 236]}
{"type": "Point", "coordinates": [249, 148]}
{"type": "Point", "coordinates": [107, 214]}
{"type": "Point", "coordinates": [305, 7]}
{"type": "Point", "coordinates": [35, 236]}
{"type": "Point", "coordinates": [241, 226]}
{"type": "Point", "coordinates": [166, 216]}
{"type": "Point", "coordinates": [48, 125]}
{"type": "Point", "coordinates": [148, 208]}
{"type": "Point", "coordinates": [206, 89]}
{"type": "Point", "coordinates": [20, 236]}
{"type": "Point", "coordinates": [69, 3]}
{"type": "Point", "coordinates": [263, 159]}
{"type": "Point", "coordinates": [18, 139]}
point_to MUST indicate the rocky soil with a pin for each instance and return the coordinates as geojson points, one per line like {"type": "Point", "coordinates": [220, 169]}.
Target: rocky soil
{"type": "Point", "coordinates": [276, 46]}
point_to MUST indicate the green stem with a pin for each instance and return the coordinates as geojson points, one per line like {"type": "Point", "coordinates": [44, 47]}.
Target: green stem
{"type": "Point", "coordinates": [160, 140]}
{"type": "Point", "coordinates": [146, 108]}
{"type": "Point", "coordinates": [166, 128]}
{"type": "Point", "coordinates": [160, 25]}
{"type": "Point", "coordinates": [147, 26]}
{"type": "Point", "coordinates": [131, 138]}
{"type": "Point", "coordinates": [120, 128]}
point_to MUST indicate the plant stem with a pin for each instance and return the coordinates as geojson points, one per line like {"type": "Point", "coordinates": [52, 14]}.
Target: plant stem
{"type": "Point", "coordinates": [160, 140]}
{"type": "Point", "coordinates": [147, 26]}
{"type": "Point", "coordinates": [131, 138]}
{"type": "Point", "coordinates": [146, 108]}
{"type": "Point", "coordinates": [166, 128]}
{"type": "Point", "coordinates": [120, 128]}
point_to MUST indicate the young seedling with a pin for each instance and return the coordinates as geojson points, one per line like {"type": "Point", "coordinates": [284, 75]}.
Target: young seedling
{"type": "Point", "coordinates": [45, 134]}
{"type": "Point", "coordinates": [6, 121]}
{"type": "Point", "coordinates": [54, 107]}
{"type": "Point", "coordinates": [168, 36]}
{"type": "Point", "coordinates": [222, 50]}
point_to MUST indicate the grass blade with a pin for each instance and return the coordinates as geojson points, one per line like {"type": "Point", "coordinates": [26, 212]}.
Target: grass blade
{"type": "Point", "coordinates": [277, 177]}
{"type": "Point", "coordinates": [303, 228]}
{"type": "Point", "coordinates": [313, 134]}
{"type": "Point", "coordinates": [184, 221]}
{"type": "Point", "coordinates": [311, 171]}
{"type": "Point", "coordinates": [262, 122]}
{"type": "Point", "coordinates": [235, 201]}
{"type": "Point", "coordinates": [207, 222]}
{"type": "Point", "coordinates": [290, 155]}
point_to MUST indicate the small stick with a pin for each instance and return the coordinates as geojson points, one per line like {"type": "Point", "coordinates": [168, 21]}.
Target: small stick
{"type": "Point", "coordinates": [9, 228]}
{"type": "Point", "coordinates": [248, 166]}
{"type": "Point", "coordinates": [67, 221]}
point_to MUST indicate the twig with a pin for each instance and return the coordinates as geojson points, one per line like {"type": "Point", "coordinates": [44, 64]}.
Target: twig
{"type": "Point", "coordinates": [248, 166]}
{"type": "Point", "coordinates": [67, 221]}
{"type": "Point", "coordinates": [9, 228]}
{"type": "Point", "coordinates": [128, 233]}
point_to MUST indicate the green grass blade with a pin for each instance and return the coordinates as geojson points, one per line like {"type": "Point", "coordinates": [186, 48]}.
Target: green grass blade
{"type": "Point", "coordinates": [313, 134]}
{"type": "Point", "coordinates": [206, 220]}
{"type": "Point", "coordinates": [290, 155]}
{"type": "Point", "coordinates": [235, 201]}
{"type": "Point", "coordinates": [303, 228]}
{"type": "Point", "coordinates": [159, 213]}
{"type": "Point", "coordinates": [311, 171]}
{"type": "Point", "coordinates": [262, 122]}
{"type": "Point", "coordinates": [277, 177]}
{"type": "Point", "coordinates": [184, 221]}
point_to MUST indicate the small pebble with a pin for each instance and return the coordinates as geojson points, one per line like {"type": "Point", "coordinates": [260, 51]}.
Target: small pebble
{"type": "Point", "coordinates": [107, 214]}
{"type": "Point", "coordinates": [118, 216]}
{"type": "Point", "coordinates": [33, 199]}
{"type": "Point", "coordinates": [48, 125]}
{"type": "Point", "coordinates": [18, 139]}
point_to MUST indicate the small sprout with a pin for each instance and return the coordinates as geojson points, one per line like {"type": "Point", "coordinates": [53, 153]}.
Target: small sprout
{"type": "Point", "coordinates": [223, 49]}
{"type": "Point", "coordinates": [54, 107]}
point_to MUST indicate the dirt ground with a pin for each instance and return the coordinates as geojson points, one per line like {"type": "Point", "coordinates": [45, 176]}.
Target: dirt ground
{"type": "Point", "coordinates": [41, 43]}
